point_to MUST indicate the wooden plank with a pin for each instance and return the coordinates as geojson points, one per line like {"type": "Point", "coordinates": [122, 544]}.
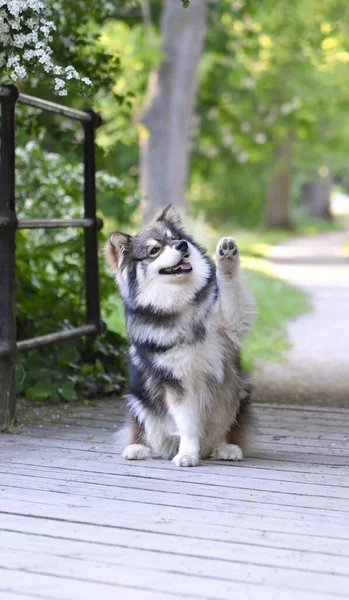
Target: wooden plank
{"type": "Point", "coordinates": [6, 595]}
{"type": "Point", "coordinates": [59, 504]}
{"type": "Point", "coordinates": [172, 578]}
{"type": "Point", "coordinates": [196, 476]}
{"type": "Point", "coordinates": [292, 408]}
{"type": "Point", "coordinates": [107, 462]}
{"type": "Point", "coordinates": [125, 476]}
{"type": "Point", "coordinates": [53, 587]}
{"type": "Point", "coordinates": [328, 455]}
{"type": "Point", "coordinates": [130, 516]}
{"type": "Point", "coordinates": [271, 434]}
{"type": "Point", "coordinates": [166, 494]}
{"type": "Point", "coordinates": [33, 455]}
{"type": "Point", "coordinates": [114, 464]}
{"type": "Point", "coordinates": [315, 541]}
{"type": "Point", "coordinates": [82, 521]}
{"type": "Point", "coordinates": [179, 547]}
{"type": "Point", "coordinates": [307, 439]}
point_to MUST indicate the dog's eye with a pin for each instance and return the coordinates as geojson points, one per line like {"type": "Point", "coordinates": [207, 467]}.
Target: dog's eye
{"type": "Point", "coordinates": [154, 250]}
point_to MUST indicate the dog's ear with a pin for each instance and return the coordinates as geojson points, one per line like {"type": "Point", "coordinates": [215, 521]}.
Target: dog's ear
{"type": "Point", "coordinates": [171, 216]}
{"type": "Point", "coordinates": [117, 250]}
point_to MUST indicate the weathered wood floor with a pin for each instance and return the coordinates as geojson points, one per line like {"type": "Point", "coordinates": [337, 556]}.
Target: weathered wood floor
{"type": "Point", "coordinates": [79, 523]}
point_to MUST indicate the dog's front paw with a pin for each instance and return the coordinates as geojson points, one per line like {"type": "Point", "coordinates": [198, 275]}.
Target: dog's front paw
{"type": "Point", "coordinates": [186, 460]}
{"type": "Point", "coordinates": [227, 452]}
{"type": "Point", "coordinates": [227, 249]}
{"type": "Point", "coordinates": [136, 452]}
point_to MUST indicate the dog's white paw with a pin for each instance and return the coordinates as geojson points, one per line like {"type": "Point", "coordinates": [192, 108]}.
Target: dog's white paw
{"type": "Point", "coordinates": [227, 452]}
{"type": "Point", "coordinates": [186, 460]}
{"type": "Point", "coordinates": [136, 452]}
{"type": "Point", "coordinates": [227, 249]}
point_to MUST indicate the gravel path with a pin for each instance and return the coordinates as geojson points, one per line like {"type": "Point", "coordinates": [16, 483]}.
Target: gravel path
{"type": "Point", "coordinates": [317, 367]}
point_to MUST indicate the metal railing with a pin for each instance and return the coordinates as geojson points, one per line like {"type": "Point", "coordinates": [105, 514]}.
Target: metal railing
{"type": "Point", "coordinates": [9, 97]}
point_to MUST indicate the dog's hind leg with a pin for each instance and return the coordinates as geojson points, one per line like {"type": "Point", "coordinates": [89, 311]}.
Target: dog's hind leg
{"type": "Point", "coordinates": [239, 434]}
{"type": "Point", "coordinates": [236, 306]}
{"type": "Point", "coordinates": [227, 452]}
{"type": "Point", "coordinates": [133, 437]}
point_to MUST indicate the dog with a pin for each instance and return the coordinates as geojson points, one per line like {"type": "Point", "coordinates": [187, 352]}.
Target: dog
{"type": "Point", "coordinates": [186, 317]}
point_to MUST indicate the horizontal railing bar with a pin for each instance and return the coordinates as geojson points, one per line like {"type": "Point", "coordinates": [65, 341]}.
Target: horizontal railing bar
{"type": "Point", "coordinates": [58, 109]}
{"type": "Point", "coordinates": [58, 223]}
{"type": "Point", "coordinates": [52, 338]}
{"type": "Point", "coordinates": [59, 336]}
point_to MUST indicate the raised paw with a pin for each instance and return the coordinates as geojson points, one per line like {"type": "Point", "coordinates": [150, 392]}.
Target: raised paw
{"type": "Point", "coordinates": [227, 249]}
{"type": "Point", "coordinates": [136, 452]}
{"type": "Point", "coordinates": [227, 452]}
{"type": "Point", "coordinates": [186, 460]}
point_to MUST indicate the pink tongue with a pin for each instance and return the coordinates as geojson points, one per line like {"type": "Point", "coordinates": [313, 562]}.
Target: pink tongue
{"type": "Point", "coordinates": [186, 266]}
{"type": "Point", "coordinates": [182, 266]}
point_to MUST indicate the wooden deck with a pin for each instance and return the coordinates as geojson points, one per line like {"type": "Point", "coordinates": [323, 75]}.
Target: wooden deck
{"type": "Point", "coordinates": [79, 523]}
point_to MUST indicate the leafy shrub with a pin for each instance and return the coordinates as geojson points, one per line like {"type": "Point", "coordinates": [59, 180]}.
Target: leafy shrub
{"type": "Point", "coordinates": [50, 281]}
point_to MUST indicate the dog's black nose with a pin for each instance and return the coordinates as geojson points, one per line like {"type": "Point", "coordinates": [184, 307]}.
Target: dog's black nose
{"type": "Point", "coordinates": [182, 246]}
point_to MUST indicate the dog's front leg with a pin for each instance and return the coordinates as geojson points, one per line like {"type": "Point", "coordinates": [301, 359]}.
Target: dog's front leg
{"type": "Point", "coordinates": [189, 429]}
{"type": "Point", "coordinates": [234, 302]}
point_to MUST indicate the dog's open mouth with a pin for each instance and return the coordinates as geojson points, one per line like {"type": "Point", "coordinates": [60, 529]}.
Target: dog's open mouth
{"type": "Point", "coordinates": [181, 267]}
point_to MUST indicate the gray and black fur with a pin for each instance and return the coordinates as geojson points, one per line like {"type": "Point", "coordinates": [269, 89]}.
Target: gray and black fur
{"type": "Point", "coordinates": [185, 317]}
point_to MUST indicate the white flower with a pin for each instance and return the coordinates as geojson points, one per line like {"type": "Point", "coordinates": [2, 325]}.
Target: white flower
{"type": "Point", "coordinates": [286, 108]}
{"type": "Point", "coordinates": [59, 83]}
{"type": "Point", "coordinates": [212, 113]}
{"type": "Point", "coordinates": [249, 83]}
{"type": "Point", "coordinates": [260, 138]}
{"type": "Point", "coordinates": [12, 60]}
{"type": "Point", "coordinates": [242, 157]}
{"type": "Point", "coordinates": [245, 126]}
{"type": "Point", "coordinates": [21, 72]}
{"type": "Point", "coordinates": [86, 80]}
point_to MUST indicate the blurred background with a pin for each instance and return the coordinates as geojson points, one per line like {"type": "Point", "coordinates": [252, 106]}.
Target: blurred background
{"type": "Point", "coordinates": [235, 111]}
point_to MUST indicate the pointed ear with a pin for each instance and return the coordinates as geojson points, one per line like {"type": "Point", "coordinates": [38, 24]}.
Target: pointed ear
{"type": "Point", "coordinates": [171, 216]}
{"type": "Point", "coordinates": [117, 249]}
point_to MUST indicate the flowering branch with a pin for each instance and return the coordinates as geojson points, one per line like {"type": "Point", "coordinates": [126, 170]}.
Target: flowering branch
{"type": "Point", "coordinates": [26, 36]}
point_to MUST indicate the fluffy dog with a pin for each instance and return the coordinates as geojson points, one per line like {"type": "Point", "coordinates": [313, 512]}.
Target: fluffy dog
{"type": "Point", "coordinates": [186, 317]}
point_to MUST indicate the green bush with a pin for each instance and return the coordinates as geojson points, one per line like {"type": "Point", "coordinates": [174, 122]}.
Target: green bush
{"type": "Point", "coordinates": [50, 281]}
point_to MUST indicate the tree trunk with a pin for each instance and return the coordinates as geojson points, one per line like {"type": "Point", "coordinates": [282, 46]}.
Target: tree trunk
{"type": "Point", "coordinates": [167, 115]}
{"type": "Point", "coordinates": [316, 197]}
{"type": "Point", "coordinates": [277, 210]}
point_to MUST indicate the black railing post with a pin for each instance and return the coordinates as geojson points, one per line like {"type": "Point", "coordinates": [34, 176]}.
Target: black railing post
{"type": "Point", "coordinates": [90, 234]}
{"type": "Point", "coordinates": [8, 223]}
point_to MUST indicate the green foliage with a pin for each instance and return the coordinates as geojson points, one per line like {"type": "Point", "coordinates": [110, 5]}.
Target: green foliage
{"type": "Point", "coordinates": [268, 69]}
{"type": "Point", "coordinates": [118, 138]}
{"type": "Point", "coordinates": [74, 369]}
{"type": "Point", "coordinates": [50, 280]}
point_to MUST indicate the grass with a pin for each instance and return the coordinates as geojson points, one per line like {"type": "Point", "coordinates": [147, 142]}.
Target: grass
{"type": "Point", "coordinates": [277, 302]}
